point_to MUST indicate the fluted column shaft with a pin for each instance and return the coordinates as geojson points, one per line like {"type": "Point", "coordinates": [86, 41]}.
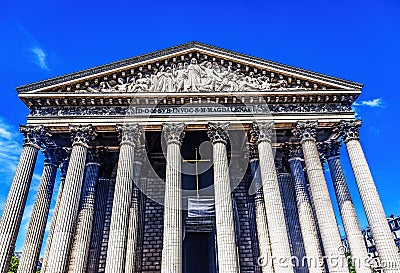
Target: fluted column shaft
{"type": "Point", "coordinates": [98, 225]}
{"type": "Point", "coordinates": [323, 206]}
{"type": "Point", "coordinates": [225, 225]}
{"type": "Point", "coordinates": [63, 169]}
{"type": "Point", "coordinates": [69, 204]}
{"type": "Point", "coordinates": [115, 260]}
{"type": "Point", "coordinates": [172, 237]}
{"type": "Point", "coordinates": [16, 199]}
{"type": "Point", "coordinates": [349, 216]}
{"type": "Point", "coordinates": [80, 249]}
{"type": "Point", "coordinates": [306, 218]}
{"type": "Point", "coordinates": [280, 247]}
{"type": "Point", "coordinates": [37, 223]}
{"type": "Point", "coordinates": [264, 243]}
{"type": "Point", "coordinates": [383, 237]}
{"type": "Point", "coordinates": [131, 247]}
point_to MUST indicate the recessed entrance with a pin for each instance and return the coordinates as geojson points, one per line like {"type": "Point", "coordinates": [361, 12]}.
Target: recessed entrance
{"type": "Point", "coordinates": [199, 253]}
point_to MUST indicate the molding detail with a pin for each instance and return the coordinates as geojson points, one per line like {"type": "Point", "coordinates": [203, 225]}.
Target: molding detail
{"type": "Point", "coordinates": [349, 130]}
{"type": "Point", "coordinates": [262, 131]}
{"type": "Point", "coordinates": [129, 133]}
{"type": "Point", "coordinates": [306, 130]}
{"type": "Point", "coordinates": [82, 134]}
{"type": "Point", "coordinates": [173, 132]}
{"type": "Point", "coordinates": [66, 111]}
{"type": "Point", "coordinates": [218, 132]}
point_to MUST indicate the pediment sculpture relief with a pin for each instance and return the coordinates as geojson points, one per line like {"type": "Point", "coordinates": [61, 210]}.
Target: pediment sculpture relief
{"type": "Point", "coordinates": [192, 76]}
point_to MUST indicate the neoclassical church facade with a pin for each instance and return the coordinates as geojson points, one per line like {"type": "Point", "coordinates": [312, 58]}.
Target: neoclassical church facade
{"type": "Point", "coordinates": [192, 159]}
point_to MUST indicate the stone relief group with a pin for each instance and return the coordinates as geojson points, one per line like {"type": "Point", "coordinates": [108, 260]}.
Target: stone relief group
{"type": "Point", "coordinates": [194, 77]}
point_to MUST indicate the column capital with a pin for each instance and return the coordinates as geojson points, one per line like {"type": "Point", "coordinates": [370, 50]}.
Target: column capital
{"type": "Point", "coordinates": [64, 161]}
{"type": "Point", "coordinates": [173, 132]}
{"type": "Point", "coordinates": [262, 131]}
{"type": "Point", "coordinates": [34, 135]}
{"type": "Point", "coordinates": [218, 132]}
{"type": "Point", "coordinates": [53, 155]}
{"type": "Point", "coordinates": [129, 133]}
{"type": "Point", "coordinates": [292, 151]}
{"type": "Point", "coordinates": [306, 130]}
{"type": "Point", "coordinates": [349, 130]}
{"type": "Point", "coordinates": [82, 134]}
{"type": "Point", "coordinates": [331, 148]}
{"type": "Point", "coordinates": [140, 152]}
{"type": "Point", "coordinates": [94, 155]}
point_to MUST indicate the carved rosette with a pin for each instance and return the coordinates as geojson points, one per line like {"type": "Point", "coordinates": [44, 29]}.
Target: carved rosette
{"type": "Point", "coordinates": [34, 135]}
{"type": "Point", "coordinates": [349, 130]}
{"type": "Point", "coordinates": [218, 132]}
{"type": "Point", "coordinates": [82, 134]}
{"type": "Point", "coordinates": [306, 130]}
{"type": "Point", "coordinates": [173, 132]}
{"type": "Point", "coordinates": [129, 133]}
{"type": "Point", "coordinates": [262, 131]}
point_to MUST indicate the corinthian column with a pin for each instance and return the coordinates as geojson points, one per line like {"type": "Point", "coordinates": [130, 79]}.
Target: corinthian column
{"type": "Point", "coordinates": [63, 169]}
{"type": "Point", "coordinates": [115, 261]}
{"type": "Point", "coordinates": [383, 237]}
{"type": "Point", "coordinates": [306, 132]}
{"type": "Point", "coordinates": [172, 237]}
{"type": "Point", "coordinates": [225, 226]}
{"type": "Point", "coordinates": [306, 217]}
{"type": "Point", "coordinates": [80, 250]}
{"type": "Point", "coordinates": [358, 250]}
{"type": "Point", "coordinates": [262, 132]}
{"type": "Point", "coordinates": [37, 223]}
{"type": "Point", "coordinates": [131, 257]}
{"type": "Point", "coordinates": [264, 243]}
{"type": "Point", "coordinates": [69, 204]}
{"type": "Point", "coordinates": [16, 199]}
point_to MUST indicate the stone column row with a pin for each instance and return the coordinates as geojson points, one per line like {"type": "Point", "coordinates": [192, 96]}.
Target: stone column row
{"type": "Point", "coordinates": [383, 237]}
{"type": "Point", "coordinates": [264, 243]}
{"type": "Point", "coordinates": [37, 223]}
{"type": "Point", "coordinates": [69, 204]}
{"type": "Point", "coordinates": [15, 204]}
{"type": "Point", "coordinates": [116, 253]}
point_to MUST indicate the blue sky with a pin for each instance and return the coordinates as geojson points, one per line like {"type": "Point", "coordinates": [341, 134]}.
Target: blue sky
{"type": "Point", "coordinates": [355, 40]}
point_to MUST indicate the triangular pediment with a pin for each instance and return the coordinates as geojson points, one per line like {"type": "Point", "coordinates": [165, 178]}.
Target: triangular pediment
{"type": "Point", "coordinates": [188, 68]}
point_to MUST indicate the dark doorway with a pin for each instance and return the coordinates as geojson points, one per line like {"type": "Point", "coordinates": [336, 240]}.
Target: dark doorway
{"type": "Point", "coordinates": [199, 253]}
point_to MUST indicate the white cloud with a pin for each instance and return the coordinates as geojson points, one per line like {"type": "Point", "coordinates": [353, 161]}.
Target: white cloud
{"type": "Point", "coordinates": [374, 103]}
{"type": "Point", "coordinates": [40, 57]}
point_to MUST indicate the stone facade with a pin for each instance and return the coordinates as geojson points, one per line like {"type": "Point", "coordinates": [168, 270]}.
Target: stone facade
{"type": "Point", "coordinates": [127, 131]}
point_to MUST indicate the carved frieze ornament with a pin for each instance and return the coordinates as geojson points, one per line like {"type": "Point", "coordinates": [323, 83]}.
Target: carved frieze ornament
{"type": "Point", "coordinates": [218, 132]}
{"type": "Point", "coordinates": [193, 75]}
{"type": "Point", "coordinates": [173, 132]}
{"type": "Point", "coordinates": [262, 131]}
{"type": "Point", "coordinates": [82, 134]}
{"type": "Point", "coordinates": [349, 130]}
{"type": "Point", "coordinates": [129, 133]}
{"type": "Point", "coordinates": [34, 135]}
{"type": "Point", "coordinates": [306, 130]}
